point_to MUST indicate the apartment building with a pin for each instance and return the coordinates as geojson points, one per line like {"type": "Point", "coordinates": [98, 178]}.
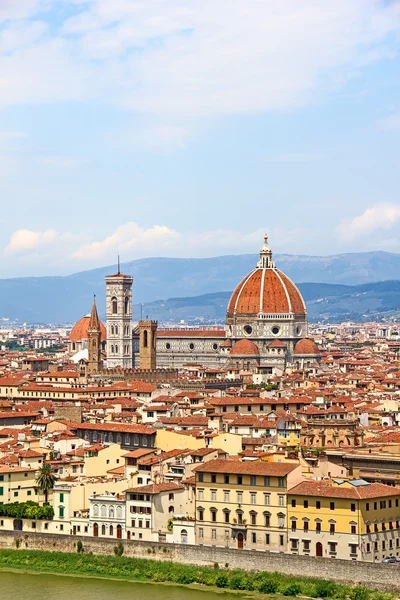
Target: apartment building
{"type": "Point", "coordinates": [243, 504]}
{"type": "Point", "coordinates": [346, 519]}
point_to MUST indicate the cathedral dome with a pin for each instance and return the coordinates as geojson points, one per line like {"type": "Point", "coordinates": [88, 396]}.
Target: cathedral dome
{"type": "Point", "coordinates": [79, 331]}
{"type": "Point", "coordinates": [245, 347]}
{"type": "Point", "coordinates": [266, 290]}
{"type": "Point", "coordinates": [306, 347]}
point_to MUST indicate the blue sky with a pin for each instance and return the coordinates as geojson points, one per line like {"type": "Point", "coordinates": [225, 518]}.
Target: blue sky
{"type": "Point", "coordinates": [187, 128]}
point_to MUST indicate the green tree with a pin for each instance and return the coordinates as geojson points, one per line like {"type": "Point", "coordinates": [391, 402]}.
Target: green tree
{"type": "Point", "coordinates": [45, 480]}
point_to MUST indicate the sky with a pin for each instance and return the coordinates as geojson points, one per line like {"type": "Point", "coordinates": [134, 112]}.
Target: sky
{"type": "Point", "coordinates": [188, 128]}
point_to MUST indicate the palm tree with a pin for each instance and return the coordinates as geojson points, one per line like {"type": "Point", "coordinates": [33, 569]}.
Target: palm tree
{"type": "Point", "coordinates": [45, 480]}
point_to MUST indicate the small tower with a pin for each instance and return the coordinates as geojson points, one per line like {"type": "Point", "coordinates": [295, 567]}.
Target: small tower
{"type": "Point", "coordinates": [94, 342]}
{"type": "Point", "coordinates": [147, 344]}
{"type": "Point", "coordinates": [266, 261]}
{"type": "Point", "coordinates": [119, 320]}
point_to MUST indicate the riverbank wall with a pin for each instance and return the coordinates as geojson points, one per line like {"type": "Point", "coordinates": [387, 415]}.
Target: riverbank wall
{"type": "Point", "coordinates": [376, 576]}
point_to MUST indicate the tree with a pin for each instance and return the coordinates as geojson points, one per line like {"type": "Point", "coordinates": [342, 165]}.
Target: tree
{"type": "Point", "coordinates": [45, 480]}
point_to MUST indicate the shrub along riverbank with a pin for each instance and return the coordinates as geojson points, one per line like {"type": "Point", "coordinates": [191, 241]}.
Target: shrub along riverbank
{"type": "Point", "coordinates": [144, 570]}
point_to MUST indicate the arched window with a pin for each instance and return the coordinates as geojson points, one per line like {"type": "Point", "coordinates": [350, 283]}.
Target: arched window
{"type": "Point", "coordinates": [267, 519]}
{"type": "Point", "coordinates": [103, 510]}
{"type": "Point", "coordinates": [116, 349]}
{"type": "Point", "coordinates": [119, 512]}
{"type": "Point", "coordinates": [114, 305]}
{"type": "Point", "coordinates": [111, 530]}
{"type": "Point", "coordinates": [96, 510]}
{"type": "Point", "coordinates": [103, 530]}
{"type": "Point", "coordinates": [111, 512]}
{"type": "Point", "coordinates": [112, 348]}
{"type": "Point", "coordinates": [116, 330]}
{"type": "Point", "coordinates": [119, 438]}
{"type": "Point", "coordinates": [170, 509]}
{"type": "Point", "coordinates": [145, 338]}
{"type": "Point", "coordinates": [126, 306]}
{"type": "Point", "coordinates": [112, 329]}
{"type": "Point", "coordinates": [110, 437]}
{"type": "Point", "coordinates": [184, 536]}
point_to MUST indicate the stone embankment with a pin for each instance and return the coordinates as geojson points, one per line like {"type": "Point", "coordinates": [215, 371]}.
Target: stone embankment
{"type": "Point", "coordinates": [384, 577]}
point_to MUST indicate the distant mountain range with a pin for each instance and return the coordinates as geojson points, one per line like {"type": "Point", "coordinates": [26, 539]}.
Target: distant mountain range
{"type": "Point", "coordinates": [192, 285]}
{"type": "Point", "coordinates": [325, 303]}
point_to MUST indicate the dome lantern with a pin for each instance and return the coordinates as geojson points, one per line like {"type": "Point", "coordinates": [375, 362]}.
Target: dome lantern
{"type": "Point", "coordinates": [266, 261]}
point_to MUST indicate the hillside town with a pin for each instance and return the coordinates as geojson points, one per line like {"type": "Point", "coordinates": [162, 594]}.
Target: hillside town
{"type": "Point", "coordinates": [269, 434]}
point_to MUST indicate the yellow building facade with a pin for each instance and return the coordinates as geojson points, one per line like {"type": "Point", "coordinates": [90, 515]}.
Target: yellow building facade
{"type": "Point", "coordinates": [18, 484]}
{"type": "Point", "coordinates": [352, 520]}
{"type": "Point", "coordinates": [243, 504]}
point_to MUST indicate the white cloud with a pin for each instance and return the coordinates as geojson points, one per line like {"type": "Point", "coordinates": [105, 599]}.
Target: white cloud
{"type": "Point", "coordinates": [201, 58]}
{"type": "Point", "coordinates": [24, 241]}
{"type": "Point", "coordinates": [129, 239]}
{"type": "Point", "coordinates": [294, 157]}
{"type": "Point", "coordinates": [389, 123]}
{"type": "Point", "coordinates": [53, 250]}
{"type": "Point", "coordinates": [158, 137]}
{"type": "Point", "coordinates": [63, 162]}
{"type": "Point", "coordinates": [8, 166]}
{"type": "Point", "coordinates": [22, 9]}
{"type": "Point", "coordinates": [381, 216]}
{"type": "Point", "coordinates": [9, 136]}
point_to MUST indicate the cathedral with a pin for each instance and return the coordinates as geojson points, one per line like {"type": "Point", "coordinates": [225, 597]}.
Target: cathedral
{"type": "Point", "coordinates": [266, 329]}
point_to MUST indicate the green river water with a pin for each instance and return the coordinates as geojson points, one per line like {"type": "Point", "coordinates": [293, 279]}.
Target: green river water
{"type": "Point", "coordinates": [27, 586]}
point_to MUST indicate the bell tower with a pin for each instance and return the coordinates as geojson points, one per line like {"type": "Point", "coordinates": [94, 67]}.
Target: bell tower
{"type": "Point", "coordinates": [119, 320]}
{"type": "Point", "coordinates": [147, 344]}
{"type": "Point", "coordinates": [94, 342]}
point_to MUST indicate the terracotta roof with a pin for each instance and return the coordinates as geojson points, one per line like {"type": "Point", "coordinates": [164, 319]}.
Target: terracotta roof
{"type": "Point", "coordinates": [121, 275]}
{"type": "Point", "coordinates": [138, 453]}
{"type": "Point", "coordinates": [30, 454]}
{"type": "Point", "coordinates": [276, 344]}
{"type": "Point", "coordinates": [253, 467]}
{"type": "Point", "coordinates": [327, 490]}
{"type": "Point", "coordinates": [117, 470]}
{"type": "Point", "coordinates": [12, 469]}
{"type": "Point", "coordinates": [306, 346]}
{"type": "Point", "coordinates": [156, 488]}
{"type": "Point", "coordinates": [17, 413]}
{"type": "Point", "coordinates": [64, 374]}
{"type": "Point", "coordinates": [245, 347]}
{"type": "Point", "coordinates": [79, 331]}
{"type": "Point", "coordinates": [122, 427]}
{"type": "Point", "coordinates": [226, 344]}
{"type": "Point", "coordinates": [202, 451]}
{"type": "Point", "coordinates": [266, 290]}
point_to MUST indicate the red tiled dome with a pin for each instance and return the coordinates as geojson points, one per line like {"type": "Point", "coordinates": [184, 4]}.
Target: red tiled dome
{"type": "Point", "coordinates": [244, 347]}
{"type": "Point", "coordinates": [266, 290]}
{"type": "Point", "coordinates": [306, 346]}
{"type": "Point", "coordinates": [79, 331]}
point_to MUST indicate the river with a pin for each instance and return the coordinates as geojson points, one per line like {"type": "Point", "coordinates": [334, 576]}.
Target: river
{"type": "Point", "coordinates": [27, 586]}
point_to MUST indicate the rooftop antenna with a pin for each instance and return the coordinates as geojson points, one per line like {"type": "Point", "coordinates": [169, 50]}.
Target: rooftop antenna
{"type": "Point", "coordinates": [119, 268]}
